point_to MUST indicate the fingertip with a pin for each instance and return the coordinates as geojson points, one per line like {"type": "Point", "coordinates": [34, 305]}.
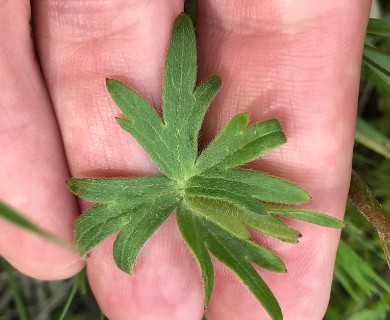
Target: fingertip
{"type": "Point", "coordinates": [60, 265]}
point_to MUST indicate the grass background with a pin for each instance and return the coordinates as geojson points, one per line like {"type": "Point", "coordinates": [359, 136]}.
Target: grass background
{"type": "Point", "coordinates": [361, 287]}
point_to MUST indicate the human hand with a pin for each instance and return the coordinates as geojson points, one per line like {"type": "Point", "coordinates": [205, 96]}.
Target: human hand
{"type": "Point", "coordinates": [297, 62]}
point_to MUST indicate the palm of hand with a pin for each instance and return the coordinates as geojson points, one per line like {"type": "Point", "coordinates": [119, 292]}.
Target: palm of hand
{"type": "Point", "coordinates": [273, 77]}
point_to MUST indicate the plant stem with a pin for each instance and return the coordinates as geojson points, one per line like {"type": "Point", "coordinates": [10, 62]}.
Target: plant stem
{"type": "Point", "coordinates": [72, 294]}
{"type": "Point", "coordinates": [363, 199]}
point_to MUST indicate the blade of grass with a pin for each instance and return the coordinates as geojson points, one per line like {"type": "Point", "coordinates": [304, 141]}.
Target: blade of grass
{"type": "Point", "coordinates": [83, 282]}
{"type": "Point", "coordinates": [15, 291]}
{"type": "Point", "coordinates": [372, 138]}
{"type": "Point", "coordinates": [360, 272]}
{"type": "Point", "coordinates": [385, 246]}
{"type": "Point", "coordinates": [377, 59]}
{"type": "Point", "coordinates": [379, 27]}
{"type": "Point", "coordinates": [345, 282]}
{"type": "Point", "coordinates": [17, 219]}
{"type": "Point", "coordinates": [378, 75]}
{"type": "Point", "coordinates": [78, 283]}
{"type": "Point", "coordinates": [378, 313]}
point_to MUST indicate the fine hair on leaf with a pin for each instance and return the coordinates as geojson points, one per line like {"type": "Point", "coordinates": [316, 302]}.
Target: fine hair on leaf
{"type": "Point", "coordinates": [216, 200]}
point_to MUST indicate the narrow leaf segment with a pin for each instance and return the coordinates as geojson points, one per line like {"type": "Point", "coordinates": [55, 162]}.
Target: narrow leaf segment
{"type": "Point", "coordinates": [216, 200]}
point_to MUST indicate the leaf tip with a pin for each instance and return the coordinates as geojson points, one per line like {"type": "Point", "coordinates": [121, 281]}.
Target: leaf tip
{"type": "Point", "coordinates": [72, 185]}
{"type": "Point", "coordinates": [340, 224]}
{"type": "Point", "coordinates": [109, 83]}
{"type": "Point", "coordinates": [217, 81]}
{"type": "Point", "coordinates": [182, 18]}
{"type": "Point", "coordinates": [306, 196]}
{"type": "Point", "coordinates": [206, 301]}
{"type": "Point", "coordinates": [83, 257]}
{"type": "Point", "coordinates": [112, 85]}
{"type": "Point", "coordinates": [242, 118]}
{"type": "Point", "coordinates": [83, 253]}
{"type": "Point", "coordinates": [122, 122]}
{"type": "Point", "coordinates": [124, 268]}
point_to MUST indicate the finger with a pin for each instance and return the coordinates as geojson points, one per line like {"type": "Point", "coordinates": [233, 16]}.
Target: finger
{"type": "Point", "coordinates": [33, 168]}
{"type": "Point", "coordinates": [83, 43]}
{"type": "Point", "coordinates": [298, 62]}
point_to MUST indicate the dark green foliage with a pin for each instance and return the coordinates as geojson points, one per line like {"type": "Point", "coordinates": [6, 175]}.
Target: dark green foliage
{"type": "Point", "coordinates": [216, 201]}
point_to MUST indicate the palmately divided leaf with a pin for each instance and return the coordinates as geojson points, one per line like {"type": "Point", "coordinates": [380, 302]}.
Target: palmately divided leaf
{"type": "Point", "coordinates": [218, 202]}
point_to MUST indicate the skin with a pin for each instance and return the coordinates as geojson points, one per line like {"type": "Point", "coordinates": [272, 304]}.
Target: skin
{"type": "Point", "coordinates": [298, 61]}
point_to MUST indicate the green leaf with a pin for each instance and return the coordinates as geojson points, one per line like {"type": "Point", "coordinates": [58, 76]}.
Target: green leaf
{"type": "Point", "coordinates": [102, 221]}
{"type": "Point", "coordinates": [110, 190]}
{"type": "Point", "coordinates": [262, 186]}
{"type": "Point", "coordinates": [143, 123]}
{"type": "Point", "coordinates": [236, 255]}
{"type": "Point", "coordinates": [380, 312]}
{"type": "Point", "coordinates": [217, 202]}
{"type": "Point", "coordinates": [228, 191]}
{"type": "Point", "coordinates": [184, 106]}
{"type": "Point", "coordinates": [377, 60]}
{"type": "Point", "coordinates": [179, 103]}
{"type": "Point", "coordinates": [362, 277]}
{"type": "Point", "coordinates": [249, 277]}
{"type": "Point", "coordinates": [235, 145]}
{"type": "Point", "coordinates": [236, 221]}
{"type": "Point", "coordinates": [192, 233]}
{"type": "Point", "coordinates": [222, 213]}
{"type": "Point", "coordinates": [307, 215]}
{"type": "Point", "coordinates": [247, 249]}
{"type": "Point", "coordinates": [96, 225]}
{"type": "Point", "coordinates": [140, 226]}
{"type": "Point", "coordinates": [372, 138]}
{"type": "Point", "coordinates": [180, 72]}
{"type": "Point", "coordinates": [379, 27]}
